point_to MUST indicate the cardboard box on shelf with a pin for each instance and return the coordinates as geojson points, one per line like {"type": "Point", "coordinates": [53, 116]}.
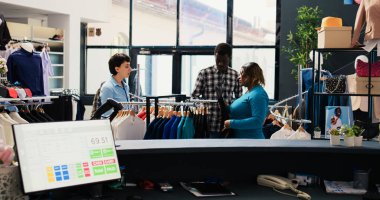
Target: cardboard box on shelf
{"type": "Point", "coordinates": [334, 37]}
{"type": "Point", "coordinates": [362, 85]}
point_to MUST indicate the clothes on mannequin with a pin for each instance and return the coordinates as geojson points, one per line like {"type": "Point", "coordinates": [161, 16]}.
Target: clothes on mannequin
{"type": "Point", "coordinates": [369, 14]}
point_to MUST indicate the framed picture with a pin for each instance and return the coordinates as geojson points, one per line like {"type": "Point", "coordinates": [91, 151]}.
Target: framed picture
{"type": "Point", "coordinates": [336, 116]}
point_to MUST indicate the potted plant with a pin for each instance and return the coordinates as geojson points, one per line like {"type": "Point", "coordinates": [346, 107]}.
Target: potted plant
{"type": "Point", "coordinates": [305, 38]}
{"type": "Point", "coordinates": [348, 136]}
{"type": "Point", "coordinates": [358, 139]}
{"type": "Point", "coordinates": [334, 137]}
{"type": "Point", "coordinates": [317, 132]}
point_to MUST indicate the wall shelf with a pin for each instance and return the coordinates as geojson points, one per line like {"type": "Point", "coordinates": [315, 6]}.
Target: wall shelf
{"type": "Point", "coordinates": [42, 34]}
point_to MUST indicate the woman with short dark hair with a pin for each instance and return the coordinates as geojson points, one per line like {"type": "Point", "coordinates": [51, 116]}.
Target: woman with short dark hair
{"type": "Point", "coordinates": [116, 87]}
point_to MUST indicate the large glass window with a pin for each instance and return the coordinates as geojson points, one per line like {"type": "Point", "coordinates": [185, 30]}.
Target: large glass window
{"type": "Point", "coordinates": [114, 32]}
{"type": "Point", "coordinates": [254, 22]}
{"type": "Point", "coordinates": [97, 69]}
{"type": "Point", "coordinates": [191, 65]}
{"type": "Point", "coordinates": [202, 22]}
{"type": "Point", "coordinates": [155, 75]}
{"type": "Point", "coordinates": [264, 58]}
{"type": "Point", "coordinates": [154, 23]}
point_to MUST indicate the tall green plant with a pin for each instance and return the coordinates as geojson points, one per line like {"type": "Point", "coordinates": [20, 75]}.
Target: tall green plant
{"type": "Point", "coordinates": [305, 37]}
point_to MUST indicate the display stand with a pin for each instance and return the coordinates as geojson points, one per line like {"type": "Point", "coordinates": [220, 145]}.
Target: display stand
{"type": "Point", "coordinates": [372, 57]}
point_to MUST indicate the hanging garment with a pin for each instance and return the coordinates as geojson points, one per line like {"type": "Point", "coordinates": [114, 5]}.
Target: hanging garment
{"type": "Point", "coordinates": [47, 70]}
{"type": "Point", "coordinates": [26, 68]}
{"type": "Point", "coordinates": [74, 108]}
{"type": "Point", "coordinates": [5, 36]}
{"type": "Point", "coordinates": [300, 135]}
{"type": "Point", "coordinates": [81, 109]}
{"type": "Point", "coordinates": [188, 129]}
{"type": "Point", "coordinates": [167, 127]}
{"type": "Point", "coordinates": [24, 115]}
{"type": "Point", "coordinates": [7, 52]}
{"type": "Point", "coordinates": [173, 129]}
{"type": "Point", "coordinates": [16, 117]}
{"type": "Point", "coordinates": [60, 109]}
{"type": "Point", "coordinates": [7, 125]}
{"type": "Point", "coordinates": [155, 132]}
{"type": "Point", "coordinates": [141, 114]}
{"type": "Point", "coordinates": [8, 117]}
{"type": "Point", "coordinates": [130, 128]}
{"type": "Point", "coordinates": [149, 131]}
{"type": "Point", "coordinates": [282, 134]}
{"type": "Point", "coordinates": [180, 126]}
{"type": "Point", "coordinates": [2, 134]}
{"type": "Point", "coordinates": [160, 129]}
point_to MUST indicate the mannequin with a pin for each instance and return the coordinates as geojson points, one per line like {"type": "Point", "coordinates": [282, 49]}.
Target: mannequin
{"type": "Point", "coordinates": [27, 47]}
{"type": "Point", "coordinates": [369, 14]}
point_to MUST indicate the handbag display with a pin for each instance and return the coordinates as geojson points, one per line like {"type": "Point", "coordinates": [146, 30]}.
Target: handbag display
{"type": "Point", "coordinates": [336, 84]}
{"type": "Point", "coordinates": [362, 69]}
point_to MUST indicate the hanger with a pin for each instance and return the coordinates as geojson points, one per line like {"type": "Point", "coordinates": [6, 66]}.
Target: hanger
{"type": "Point", "coordinates": [301, 129]}
{"type": "Point", "coordinates": [132, 113]}
{"type": "Point", "coordinates": [286, 126]}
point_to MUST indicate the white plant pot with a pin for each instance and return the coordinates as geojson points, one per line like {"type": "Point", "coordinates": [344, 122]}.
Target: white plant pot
{"type": "Point", "coordinates": [317, 134]}
{"type": "Point", "coordinates": [358, 141]}
{"type": "Point", "coordinates": [349, 141]}
{"type": "Point", "coordinates": [335, 139]}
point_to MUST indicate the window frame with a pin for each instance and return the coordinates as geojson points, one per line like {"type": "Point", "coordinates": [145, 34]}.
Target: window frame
{"type": "Point", "coordinates": [176, 51]}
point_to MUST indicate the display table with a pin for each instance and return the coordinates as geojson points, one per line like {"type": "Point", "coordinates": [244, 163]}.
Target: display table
{"type": "Point", "coordinates": [238, 162]}
{"type": "Point", "coordinates": [241, 160]}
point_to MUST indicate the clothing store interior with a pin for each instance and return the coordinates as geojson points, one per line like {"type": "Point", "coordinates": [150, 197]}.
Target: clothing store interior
{"type": "Point", "coordinates": [182, 99]}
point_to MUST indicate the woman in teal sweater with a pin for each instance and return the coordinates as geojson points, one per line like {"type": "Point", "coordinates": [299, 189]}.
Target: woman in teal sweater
{"type": "Point", "coordinates": [248, 112]}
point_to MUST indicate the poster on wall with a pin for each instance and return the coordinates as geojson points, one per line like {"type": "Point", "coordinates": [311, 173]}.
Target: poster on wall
{"type": "Point", "coordinates": [336, 116]}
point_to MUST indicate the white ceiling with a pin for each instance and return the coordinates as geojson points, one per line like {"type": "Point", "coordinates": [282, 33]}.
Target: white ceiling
{"type": "Point", "coordinates": [14, 11]}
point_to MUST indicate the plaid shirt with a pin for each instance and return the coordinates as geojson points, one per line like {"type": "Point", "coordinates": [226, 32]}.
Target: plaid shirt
{"type": "Point", "coordinates": [210, 78]}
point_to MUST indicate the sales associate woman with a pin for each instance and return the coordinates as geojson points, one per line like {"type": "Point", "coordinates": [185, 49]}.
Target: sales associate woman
{"type": "Point", "coordinates": [248, 112]}
{"type": "Point", "coordinates": [116, 87]}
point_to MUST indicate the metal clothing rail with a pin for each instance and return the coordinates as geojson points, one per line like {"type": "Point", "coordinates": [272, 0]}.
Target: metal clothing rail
{"type": "Point", "coordinates": [203, 101]}
{"type": "Point", "coordinates": [26, 104]}
{"type": "Point", "coordinates": [177, 103]}
{"type": "Point", "coordinates": [303, 121]}
{"type": "Point", "coordinates": [134, 103]}
{"type": "Point", "coordinates": [26, 40]}
{"type": "Point", "coordinates": [178, 98]}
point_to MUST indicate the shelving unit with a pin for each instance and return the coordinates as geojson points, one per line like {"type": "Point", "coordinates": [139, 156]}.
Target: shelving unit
{"type": "Point", "coordinates": [372, 57]}
{"type": "Point", "coordinates": [42, 34]}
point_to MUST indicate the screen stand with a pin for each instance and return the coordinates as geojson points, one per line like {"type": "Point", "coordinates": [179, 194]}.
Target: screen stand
{"type": "Point", "coordinates": [96, 192]}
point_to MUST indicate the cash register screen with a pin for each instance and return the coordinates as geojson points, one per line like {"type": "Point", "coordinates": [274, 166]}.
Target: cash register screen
{"type": "Point", "coordinates": [62, 154]}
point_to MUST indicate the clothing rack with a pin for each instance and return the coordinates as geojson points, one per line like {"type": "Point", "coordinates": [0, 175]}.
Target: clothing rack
{"type": "Point", "coordinates": [178, 98]}
{"type": "Point", "coordinates": [26, 40]}
{"type": "Point", "coordinates": [26, 104]}
{"type": "Point", "coordinates": [202, 101]}
{"type": "Point", "coordinates": [302, 121]}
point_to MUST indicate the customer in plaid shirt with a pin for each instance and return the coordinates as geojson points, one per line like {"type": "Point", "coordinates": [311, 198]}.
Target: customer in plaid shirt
{"type": "Point", "coordinates": [218, 77]}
